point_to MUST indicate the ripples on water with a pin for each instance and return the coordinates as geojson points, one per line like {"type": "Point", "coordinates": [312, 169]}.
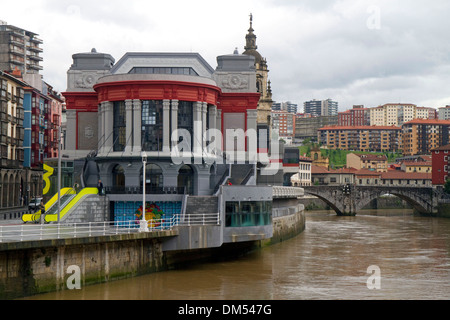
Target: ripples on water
{"type": "Point", "coordinates": [328, 261]}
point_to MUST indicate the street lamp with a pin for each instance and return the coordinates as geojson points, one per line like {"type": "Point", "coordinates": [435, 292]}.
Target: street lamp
{"type": "Point", "coordinates": [144, 224]}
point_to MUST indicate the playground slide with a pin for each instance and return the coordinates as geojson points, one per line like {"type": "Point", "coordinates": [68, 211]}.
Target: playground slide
{"type": "Point", "coordinates": [33, 217]}
{"type": "Point", "coordinates": [71, 204]}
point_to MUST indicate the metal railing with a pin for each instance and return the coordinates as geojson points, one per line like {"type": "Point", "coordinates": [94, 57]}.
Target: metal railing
{"type": "Point", "coordinates": [23, 232]}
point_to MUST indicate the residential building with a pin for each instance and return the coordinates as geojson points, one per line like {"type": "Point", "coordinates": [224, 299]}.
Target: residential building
{"type": "Point", "coordinates": [364, 138]}
{"type": "Point", "coordinates": [283, 125]}
{"type": "Point", "coordinates": [420, 136]}
{"type": "Point", "coordinates": [285, 106]}
{"type": "Point", "coordinates": [321, 107]}
{"type": "Point", "coordinates": [440, 164]}
{"type": "Point", "coordinates": [373, 162]}
{"type": "Point", "coordinates": [392, 114]}
{"type": "Point", "coordinates": [52, 121]}
{"type": "Point", "coordinates": [417, 166]}
{"type": "Point", "coordinates": [19, 49]}
{"type": "Point", "coordinates": [396, 178]}
{"type": "Point", "coordinates": [308, 127]}
{"type": "Point", "coordinates": [358, 116]}
{"type": "Point", "coordinates": [303, 177]}
{"type": "Point", "coordinates": [322, 176]}
{"type": "Point", "coordinates": [444, 113]}
{"type": "Point", "coordinates": [13, 177]}
{"type": "Point", "coordinates": [366, 177]}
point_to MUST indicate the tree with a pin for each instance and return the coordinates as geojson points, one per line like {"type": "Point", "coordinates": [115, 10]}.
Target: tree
{"type": "Point", "coordinates": [447, 186]}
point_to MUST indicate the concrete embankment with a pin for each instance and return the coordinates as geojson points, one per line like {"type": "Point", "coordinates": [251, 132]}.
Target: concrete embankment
{"type": "Point", "coordinates": [33, 267]}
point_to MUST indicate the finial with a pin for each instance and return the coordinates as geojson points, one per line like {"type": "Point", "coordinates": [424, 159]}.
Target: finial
{"type": "Point", "coordinates": [236, 51]}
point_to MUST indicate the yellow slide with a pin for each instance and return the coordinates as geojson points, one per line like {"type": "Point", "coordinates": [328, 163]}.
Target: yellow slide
{"type": "Point", "coordinates": [33, 217]}
{"type": "Point", "coordinates": [70, 205]}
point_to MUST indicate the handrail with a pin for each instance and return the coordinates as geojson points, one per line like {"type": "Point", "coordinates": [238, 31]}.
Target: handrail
{"type": "Point", "coordinates": [20, 233]}
{"type": "Point", "coordinates": [33, 217]}
{"type": "Point", "coordinates": [71, 204]}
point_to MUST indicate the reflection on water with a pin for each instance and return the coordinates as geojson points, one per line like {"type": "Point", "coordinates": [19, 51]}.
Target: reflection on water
{"type": "Point", "coordinates": [328, 261]}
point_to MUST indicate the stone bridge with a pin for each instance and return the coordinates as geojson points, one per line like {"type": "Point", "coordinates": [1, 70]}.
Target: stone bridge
{"type": "Point", "coordinates": [349, 200]}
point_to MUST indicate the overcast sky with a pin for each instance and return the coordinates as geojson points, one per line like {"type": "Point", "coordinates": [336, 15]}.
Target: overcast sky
{"type": "Point", "coordinates": [355, 52]}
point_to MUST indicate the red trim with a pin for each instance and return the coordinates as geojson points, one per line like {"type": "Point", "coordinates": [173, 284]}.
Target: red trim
{"type": "Point", "coordinates": [157, 90]}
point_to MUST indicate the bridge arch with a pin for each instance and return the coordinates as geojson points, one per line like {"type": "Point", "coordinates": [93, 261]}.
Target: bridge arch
{"type": "Point", "coordinates": [352, 199]}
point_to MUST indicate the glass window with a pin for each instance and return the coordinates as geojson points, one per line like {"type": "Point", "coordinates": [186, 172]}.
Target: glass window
{"type": "Point", "coordinates": [248, 213]}
{"type": "Point", "coordinates": [119, 127]}
{"type": "Point", "coordinates": [186, 118]}
{"type": "Point", "coordinates": [152, 125]}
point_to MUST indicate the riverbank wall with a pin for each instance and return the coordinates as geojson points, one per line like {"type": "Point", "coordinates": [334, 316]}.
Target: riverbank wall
{"type": "Point", "coordinates": [35, 267]}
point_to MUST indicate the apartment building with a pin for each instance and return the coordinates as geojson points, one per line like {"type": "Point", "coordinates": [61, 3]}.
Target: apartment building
{"type": "Point", "coordinates": [19, 49]}
{"type": "Point", "coordinates": [12, 174]}
{"type": "Point", "coordinates": [441, 164]}
{"type": "Point", "coordinates": [307, 128]}
{"type": "Point", "coordinates": [358, 116]}
{"type": "Point", "coordinates": [374, 162]}
{"type": "Point", "coordinates": [363, 138]}
{"type": "Point", "coordinates": [283, 124]}
{"type": "Point", "coordinates": [398, 114]}
{"type": "Point", "coordinates": [321, 107]}
{"type": "Point", "coordinates": [444, 113]}
{"type": "Point", "coordinates": [420, 136]}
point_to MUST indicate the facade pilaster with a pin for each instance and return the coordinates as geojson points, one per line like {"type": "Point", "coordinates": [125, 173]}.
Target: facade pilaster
{"type": "Point", "coordinates": [71, 139]}
{"type": "Point", "coordinates": [174, 124]}
{"type": "Point", "coordinates": [109, 119]}
{"type": "Point", "coordinates": [252, 136]}
{"type": "Point", "coordinates": [101, 129]}
{"type": "Point", "coordinates": [129, 126]}
{"type": "Point", "coordinates": [204, 121]}
{"type": "Point", "coordinates": [198, 130]}
{"type": "Point", "coordinates": [166, 126]}
{"type": "Point", "coordinates": [137, 124]}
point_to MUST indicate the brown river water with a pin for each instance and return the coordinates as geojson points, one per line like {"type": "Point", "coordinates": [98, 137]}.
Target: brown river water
{"type": "Point", "coordinates": [329, 261]}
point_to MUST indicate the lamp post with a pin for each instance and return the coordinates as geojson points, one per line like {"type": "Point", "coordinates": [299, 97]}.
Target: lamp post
{"type": "Point", "coordinates": [144, 224]}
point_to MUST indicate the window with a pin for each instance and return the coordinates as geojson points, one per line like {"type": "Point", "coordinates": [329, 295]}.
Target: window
{"type": "Point", "coordinates": [164, 70]}
{"type": "Point", "coordinates": [119, 127]}
{"type": "Point", "coordinates": [152, 125]}
{"type": "Point", "coordinates": [186, 119]}
{"type": "Point", "coordinates": [248, 213]}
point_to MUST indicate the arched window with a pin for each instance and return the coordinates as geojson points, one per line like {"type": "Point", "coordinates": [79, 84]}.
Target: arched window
{"type": "Point", "coordinates": [154, 178]}
{"type": "Point", "coordinates": [186, 178]}
{"type": "Point", "coordinates": [118, 177]}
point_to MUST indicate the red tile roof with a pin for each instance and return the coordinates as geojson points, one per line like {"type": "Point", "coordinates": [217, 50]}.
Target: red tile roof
{"type": "Point", "coordinates": [435, 122]}
{"type": "Point", "coordinates": [443, 148]}
{"type": "Point", "coordinates": [406, 175]}
{"type": "Point", "coordinates": [361, 128]}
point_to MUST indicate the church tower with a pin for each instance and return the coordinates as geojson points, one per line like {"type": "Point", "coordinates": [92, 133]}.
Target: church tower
{"type": "Point", "coordinates": [262, 76]}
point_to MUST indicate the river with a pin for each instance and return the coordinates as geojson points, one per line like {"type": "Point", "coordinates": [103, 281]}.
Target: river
{"type": "Point", "coordinates": [329, 261]}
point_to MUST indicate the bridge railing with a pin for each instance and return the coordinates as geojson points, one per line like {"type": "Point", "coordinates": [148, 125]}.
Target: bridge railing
{"type": "Point", "coordinates": [287, 192]}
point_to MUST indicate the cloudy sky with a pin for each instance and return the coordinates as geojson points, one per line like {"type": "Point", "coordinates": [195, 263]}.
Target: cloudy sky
{"type": "Point", "coordinates": [368, 52]}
